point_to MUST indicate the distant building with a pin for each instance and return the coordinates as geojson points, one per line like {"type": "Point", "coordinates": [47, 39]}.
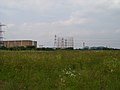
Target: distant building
{"type": "Point", "coordinates": [19, 43]}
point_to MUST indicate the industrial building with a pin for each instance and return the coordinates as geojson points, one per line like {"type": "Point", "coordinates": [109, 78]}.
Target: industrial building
{"type": "Point", "coordinates": [19, 43]}
{"type": "Point", "coordinates": [14, 43]}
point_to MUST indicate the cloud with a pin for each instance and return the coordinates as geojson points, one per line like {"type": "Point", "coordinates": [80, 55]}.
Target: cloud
{"type": "Point", "coordinates": [117, 31]}
{"type": "Point", "coordinates": [42, 19]}
{"type": "Point", "coordinates": [116, 1]}
{"type": "Point", "coordinates": [10, 25]}
{"type": "Point", "coordinates": [72, 21]}
{"type": "Point", "coordinates": [37, 5]}
{"type": "Point", "coordinates": [46, 5]}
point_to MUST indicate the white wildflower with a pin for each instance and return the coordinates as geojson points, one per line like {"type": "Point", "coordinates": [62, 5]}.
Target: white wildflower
{"type": "Point", "coordinates": [111, 70]}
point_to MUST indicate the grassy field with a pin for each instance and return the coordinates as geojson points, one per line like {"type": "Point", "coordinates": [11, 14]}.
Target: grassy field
{"type": "Point", "coordinates": [60, 70]}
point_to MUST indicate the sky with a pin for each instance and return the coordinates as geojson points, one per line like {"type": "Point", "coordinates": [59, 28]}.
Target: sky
{"type": "Point", "coordinates": [95, 22]}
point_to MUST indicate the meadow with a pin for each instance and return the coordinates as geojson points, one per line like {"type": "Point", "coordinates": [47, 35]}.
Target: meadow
{"type": "Point", "coordinates": [60, 70]}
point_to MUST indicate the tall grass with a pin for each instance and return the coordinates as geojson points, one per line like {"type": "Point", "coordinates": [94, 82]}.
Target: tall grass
{"type": "Point", "coordinates": [60, 70]}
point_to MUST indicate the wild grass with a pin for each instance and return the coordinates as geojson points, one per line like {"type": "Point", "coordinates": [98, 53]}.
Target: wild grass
{"type": "Point", "coordinates": [60, 70]}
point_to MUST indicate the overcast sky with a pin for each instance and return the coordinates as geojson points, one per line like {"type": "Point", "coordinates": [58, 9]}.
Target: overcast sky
{"type": "Point", "coordinates": [96, 22]}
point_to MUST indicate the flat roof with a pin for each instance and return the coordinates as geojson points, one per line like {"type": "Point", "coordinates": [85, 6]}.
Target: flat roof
{"type": "Point", "coordinates": [18, 40]}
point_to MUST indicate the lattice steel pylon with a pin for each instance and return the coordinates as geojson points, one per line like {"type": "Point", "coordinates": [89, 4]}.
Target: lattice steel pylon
{"type": "Point", "coordinates": [63, 42]}
{"type": "Point", "coordinates": [1, 35]}
{"type": "Point", "coordinates": [55, 42]}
